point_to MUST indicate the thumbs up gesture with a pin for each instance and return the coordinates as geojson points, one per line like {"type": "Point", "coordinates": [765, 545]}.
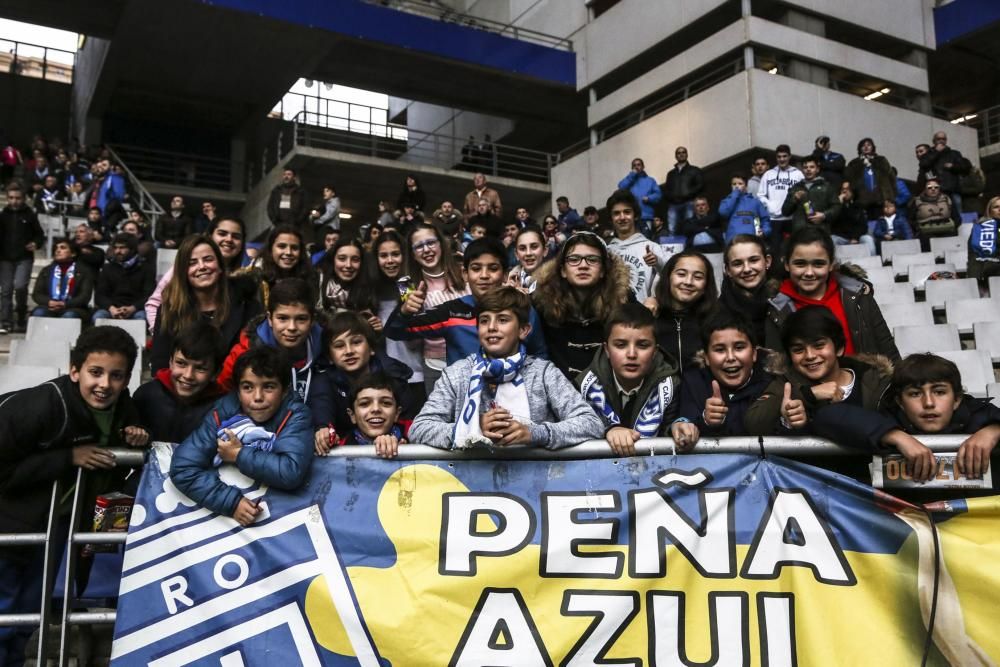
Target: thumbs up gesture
{"type": "Point", "coordinates": [715, 408]}
{"type": "Point", "coordinates": [650, 257]}
{"type": "Point", "coordinates": [792, 411]}
{"type": "Point", "coordinates": [415, 300]}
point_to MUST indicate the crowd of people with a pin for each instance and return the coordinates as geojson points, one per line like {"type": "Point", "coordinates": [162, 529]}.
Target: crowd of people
{"type": "Point", "coordinates": [460, 326]}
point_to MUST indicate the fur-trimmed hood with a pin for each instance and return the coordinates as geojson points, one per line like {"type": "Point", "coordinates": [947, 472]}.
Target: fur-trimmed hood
{"type": "Point", "coordinates": [778, 364]}
{"type": "Point", "coordinates": [554, 303]}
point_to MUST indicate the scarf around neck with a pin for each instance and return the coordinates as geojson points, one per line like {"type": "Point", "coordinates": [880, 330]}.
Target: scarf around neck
{"type": "Point", "coordinates": [62, 280]}
{"type": "Point", "coordinates": [649, 420]}
{"type": "Point", "coordinates": [510, 394]}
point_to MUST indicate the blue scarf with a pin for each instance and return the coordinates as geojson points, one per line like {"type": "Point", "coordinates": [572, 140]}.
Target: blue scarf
{"type": "Point", "coordinates": [486, 371]}
{"type": "Point", "coordinates": [983, 240]}
{"type": "Point", "coordinates": [248, 433]}
{"type": "Point", "coordinates": [650, 418]}
{"type": "Point", "coordinates": [362, 439]}
{"type": "Point", "coordinates": [61, 281]}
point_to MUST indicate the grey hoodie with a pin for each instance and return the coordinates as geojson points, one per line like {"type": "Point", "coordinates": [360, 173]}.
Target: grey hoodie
{"type": "Point", "coordinates": [559, 415]}
{"type": "Point", "coordinates": [641, 276]}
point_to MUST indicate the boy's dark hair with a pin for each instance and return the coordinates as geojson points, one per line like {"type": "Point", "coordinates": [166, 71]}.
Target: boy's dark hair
{"type": "Point", "coordinates": [739, 175]}
{"type": "Point", "coordinates": [197, 343]}
{"type": "Point", "coordinates": [476, 223]}
{"type": "Point", "coordinates": [562, 199]}
{"type": "Point", "coordinates": [812, 323]}
{"type": "Point", "coordinates": [589, 210]}
{"type": "Point", "coordinates": [378, 380]}
{"type": "Point", "coordinates": [506, 298]}
{"type": "Point", "coordinates": [265, 362]}
{"type": "Point", "coordinates": [291, 291]}
{"type": "Point", "coordinates": [632, 315]}
{"type": "Point", "coordinates": [110, 339]}
{"type": "Point", "coordinates": [126, 239]}
{"type": "Point", "coordinates": [724, 319]}
{"type": "Point", "coordinates": [918, 369]}
{"type": "Point", "coordinates": [351, 322]}
{"type": "Point", "coordinates": [484, 246]}
{"type": "Point", "coordinates": [623, 197]}
{"type": "Point", "coordinates": [73, 247]}
{"type": "Point", "coordinates": [783, 148]}
{"type": "Point", "coordinates": [809, 158]}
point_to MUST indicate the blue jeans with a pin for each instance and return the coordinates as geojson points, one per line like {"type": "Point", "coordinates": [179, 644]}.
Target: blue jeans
{"type": "Point", "coordinates": [678, 213]}
{"type": "Point", "coordinates": [45, 312]}
{"type": "Point", "coordinates": [956, 206]}
{"type": "Point", "coordinates": [14, 277]}
{"type": "Point", "coordinates": [101, 314]}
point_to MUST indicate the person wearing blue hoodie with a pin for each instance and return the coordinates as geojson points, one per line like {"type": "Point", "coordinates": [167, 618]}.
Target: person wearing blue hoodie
{"type": "Point", "coordinates": [261, 427]}
{"type": "Point", "coordinates": [746, 214]}
{"type": "Point", "coordinates": [646, 191]}
{"type": "Point", "coordinates": [290, 324]}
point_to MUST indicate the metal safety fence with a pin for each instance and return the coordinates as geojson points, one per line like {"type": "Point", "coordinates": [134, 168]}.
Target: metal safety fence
{"type": "Point", "coordinates": [60, 619]}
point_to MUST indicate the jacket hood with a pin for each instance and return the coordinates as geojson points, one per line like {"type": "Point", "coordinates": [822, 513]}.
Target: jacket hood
{"type": "Point", "coordinates": [777, 364]}
{"type": "Point", "coordinates": [635, 239]}
{"type": "Point", "coordinates": [314, 345]}
{"type": "Point", "coordinates": [614, 289]}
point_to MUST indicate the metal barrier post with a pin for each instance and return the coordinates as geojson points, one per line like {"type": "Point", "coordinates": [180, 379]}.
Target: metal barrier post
{"type": "Point", "coordinates": [50, 568]}
{"type": "Point", "coordinates": [69, 584]}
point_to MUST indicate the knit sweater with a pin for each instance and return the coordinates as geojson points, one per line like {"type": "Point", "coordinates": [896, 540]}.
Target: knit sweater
{"type": "Point", "coordinates": [559, 415]}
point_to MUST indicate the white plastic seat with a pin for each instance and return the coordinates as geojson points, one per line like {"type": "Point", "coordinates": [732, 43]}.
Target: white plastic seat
{"type": "Point", "coordinates": [73, 222]}
{"type": "Point", "coordinates": [893, 293]}
{"type": "Point", "coordinates": [881, 276]}
{"type": "Point", "coordinates": [165, 260]}
{"type": "Point", "coordinates": [939, 291]}
{"type": "Point", "coordinates": [993, 391]}
{"type": "Point", "coordinates": [965, 312]}
{"type": "Point", "coordinates": [52, 353]}
{"type": "Point", "coordinates": [903, 314]}
{"type": "Point", "coordinates": [941, 244]}
{"type": "Point", "coordinates": [135, 328]}
{"type": "Point", "coordinates": [903, 247]}
{"type": "Point", "coordinates": [965, 229]}
{"type": "Point", "coordinates": [975, 367]}
{"type": "Point", "coordinates": [958, 258]}
{"type": "Point", "coordinates": [14, 377]}
{"type": "Point", "coordinates": [52, 225]}
{"type": "Point", "coordinates": [901, 263]}
{"type": "Point", "coordinates": [866, 263]}
{"type": "Point", "coordinates": [850, 250]}
{"type": "Point", "coordinates": [926, 338]}
{"type": "Point", "coordinates": [994, 283]}
{"type": "Point", "coordinates": [987, 336]}
{"type": "Point", "coordinates": [918, 273]}
{"type": "Point", "coordinates": [53, 328]}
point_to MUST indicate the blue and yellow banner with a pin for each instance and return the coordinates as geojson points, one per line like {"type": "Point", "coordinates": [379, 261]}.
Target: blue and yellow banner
{"type": "Point", "coordinates": [658, 560]}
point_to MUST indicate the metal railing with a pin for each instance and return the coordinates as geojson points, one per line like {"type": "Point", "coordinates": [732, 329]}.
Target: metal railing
{"type": "Point", "coordinates": [396, 142]}
{"type": "Point", "coordinates": [176, 168]}
{"type": "Point", "coordinates": [142, 199]}
{"type": "Point", "coordinates": [66, 618]}
{"type": "Point", "coordinates": [986, 122]}
{"type": "Point", "coordinates": [36, 62]}
{"type": "Point", "coordinates": [446, 14]}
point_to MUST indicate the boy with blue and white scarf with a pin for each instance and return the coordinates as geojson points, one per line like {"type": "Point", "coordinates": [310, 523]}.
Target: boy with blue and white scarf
{"type": "Point", "coordinates": [502, 396]}
{"type": "Point", "coordinates": [633, 386]}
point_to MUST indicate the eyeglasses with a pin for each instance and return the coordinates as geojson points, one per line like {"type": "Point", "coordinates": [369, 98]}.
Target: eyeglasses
{"type": "Point", "coordinates": [591, 260]}
{"type": "Point", "coordinates": [429, 243]}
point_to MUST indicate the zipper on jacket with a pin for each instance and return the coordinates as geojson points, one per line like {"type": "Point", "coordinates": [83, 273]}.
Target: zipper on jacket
{"type": "Point", "coordinates": [680, 359]}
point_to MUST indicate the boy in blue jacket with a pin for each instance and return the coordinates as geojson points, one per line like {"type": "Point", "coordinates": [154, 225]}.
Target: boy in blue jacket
{"type": "Point", "coordinates": [746, 213]}
{"type": "Point", "coordinates": [278, 422]}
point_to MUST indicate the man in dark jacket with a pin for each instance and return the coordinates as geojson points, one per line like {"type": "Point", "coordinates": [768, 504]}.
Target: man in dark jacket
{"type": "Point", "coordinates": [831, 163]}
{"type": "Point", "coordinates": [20, 236]}
{"type": "Point", "coordinates": [703, 229]}
{"type": "Point", "coordinates": [287, 203]}
{"type": "Point", "coordinates": [87, 252]}
{"type": "Point", "coordinates": [684, 183]}
{"type": "Point", "coordinates": [173, 227]}
{"type": "Point", "coordinates": [125, 282]}
{"type": "Point", "coordinates": [948, 165]}
{"type": "Point", "coordinates": [811, 201]}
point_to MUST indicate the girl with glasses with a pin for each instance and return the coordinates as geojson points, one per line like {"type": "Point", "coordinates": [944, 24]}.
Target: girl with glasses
{"type": "Point", "coordinates": [435, 270]}
{"type": "Point", "coordinates": [575, 295]}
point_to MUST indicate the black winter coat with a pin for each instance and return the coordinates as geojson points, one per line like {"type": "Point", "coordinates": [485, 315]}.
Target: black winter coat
{"type": "Point", "coordinates": [166, 417]}
{"type": "Point", "coordinates": [118, 286]}
{"type": "Point", "coordinates": [684, 185]}
{"type": "Point", "coordinates": [38, 429]}
{"type": "Point", "coordinates": [696, 388]}
{"type": "Point", "coordinates": [79, 298]}
{"type": "Point", "coordinates": [18, 228]}
{"type": "Point", "coordinates": [679, 335]}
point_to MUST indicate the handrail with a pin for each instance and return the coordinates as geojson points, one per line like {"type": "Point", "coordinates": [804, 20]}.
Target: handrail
{"type": "Point", "coordinates": [19, 65]}
{"type": "Point", "coordinates": [388, 141]}
{"type": "Point", "coordinates": [147, 203]}
{"type": "Point", "coordinates": [176, 167]}
{"type": "Point", "coordinates": [449, 15]}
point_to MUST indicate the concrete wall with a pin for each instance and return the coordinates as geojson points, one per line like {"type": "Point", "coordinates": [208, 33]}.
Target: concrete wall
{"type": "Point", "coordinates": [86, 74]}
{"type": "Point", "coordinates": [753, 109]}
{"type": "Point", "coordinates": [448, 121]}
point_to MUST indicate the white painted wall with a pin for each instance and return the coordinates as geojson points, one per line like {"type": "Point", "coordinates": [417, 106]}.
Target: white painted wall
{"type": "Point", "coordinates": [903, 19]}
{"type": "Point", "coordinates": [442, 152]}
